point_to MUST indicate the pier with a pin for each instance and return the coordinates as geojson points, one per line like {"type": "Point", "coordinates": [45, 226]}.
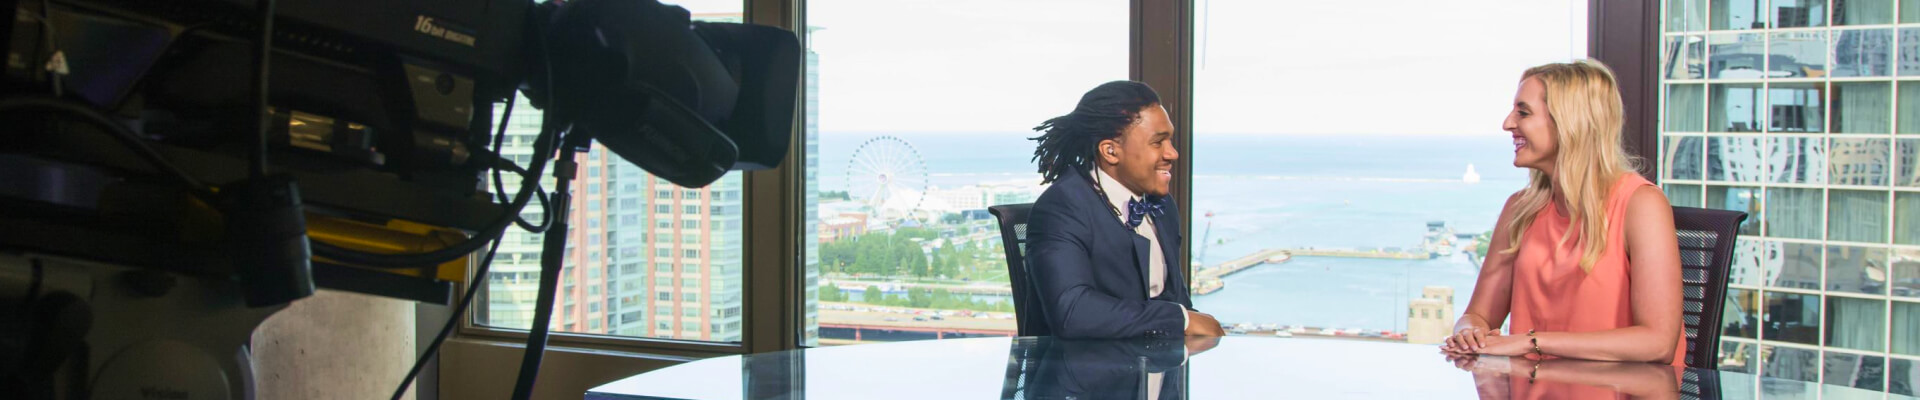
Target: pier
{"type": "Point", "coordinates": [892, 287]}
{"type": "Point", "coordinates": [1351, 253]}
{"type": "Point", "coordinates": [1209, 279]}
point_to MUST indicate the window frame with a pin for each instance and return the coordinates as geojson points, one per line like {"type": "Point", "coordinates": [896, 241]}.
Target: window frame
{"type": "Point", "coordinates": [763, 261]}
{"type": "Point", "coordinates": [1622, 34]}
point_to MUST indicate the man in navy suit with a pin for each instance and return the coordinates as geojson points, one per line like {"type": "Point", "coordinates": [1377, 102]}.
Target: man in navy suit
{"type": "Point", "coordinates": [1103, 242]}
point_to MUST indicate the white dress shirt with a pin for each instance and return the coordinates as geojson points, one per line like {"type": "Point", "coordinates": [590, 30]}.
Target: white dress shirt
{"type": "Point", "coordinates": [1156, 259]}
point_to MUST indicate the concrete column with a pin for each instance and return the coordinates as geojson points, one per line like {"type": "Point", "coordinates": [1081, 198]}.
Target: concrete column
{"type": "Point", "coordinates": [335, 345]}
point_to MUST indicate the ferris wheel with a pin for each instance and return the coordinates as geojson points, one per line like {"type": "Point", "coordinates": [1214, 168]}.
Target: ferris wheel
{"type": "Point", "coordinates": [888, 175]}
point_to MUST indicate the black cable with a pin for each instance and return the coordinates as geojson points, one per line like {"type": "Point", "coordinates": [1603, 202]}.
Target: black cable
{"type": "Point", "coordinates": [554, 245]}
{"type": "Point", "coordinates": [543, 145]}
{"type": "Point", "coordinates": [119, 132]}
{"type": "Point", "coordinates": [551, 259]}
{"type": "Point", "coordinates": [540, 194]}
{"type": "Point", "coordinates": [459, 309]}
{"type": "Point", "coordinates": [499, 188]}
{"type": "Point", "coordinates": [263, 118]}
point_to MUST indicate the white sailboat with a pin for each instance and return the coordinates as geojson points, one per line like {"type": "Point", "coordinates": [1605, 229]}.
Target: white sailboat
{"type": "Point", "coordinates": [1470, 177]}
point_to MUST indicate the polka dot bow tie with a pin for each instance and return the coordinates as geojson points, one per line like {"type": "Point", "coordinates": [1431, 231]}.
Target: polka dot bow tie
{"type": "Point", "coordinates": [1137, 210]}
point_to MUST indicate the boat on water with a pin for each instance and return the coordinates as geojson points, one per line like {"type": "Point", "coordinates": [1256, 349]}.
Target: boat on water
{"type": "Point", "coordinates": [1470, 176]}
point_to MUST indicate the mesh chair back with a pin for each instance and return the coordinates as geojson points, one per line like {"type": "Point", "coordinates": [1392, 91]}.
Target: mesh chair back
{"type": "Point", "coordinates": [1026, 299]}
{"type": "Point", "coordinates": [1706, 253]}
{"type": "Point", "coordinates": [1699, 384]}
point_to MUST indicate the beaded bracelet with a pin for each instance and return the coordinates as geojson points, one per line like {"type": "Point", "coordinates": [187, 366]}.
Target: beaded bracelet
{"type": "Point", "coordinates": [1536, 343]}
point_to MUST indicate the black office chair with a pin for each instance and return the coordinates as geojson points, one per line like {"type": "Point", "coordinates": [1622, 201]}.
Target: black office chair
{"type": "Point", "coordinates": [1698, 384]}
{"type": "Point", "coordinates": [1026, 298]}
{"type": "Point", "coordinates": [1706, 253]}
{"type": "Point", "coordinates": [1023, 361]}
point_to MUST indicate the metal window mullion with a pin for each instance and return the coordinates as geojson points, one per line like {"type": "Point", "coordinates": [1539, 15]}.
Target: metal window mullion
{"type": "Point", "coordinates": [1792, 290]}
{"type": "Point", "coordinates": [1886, 361]}
{"type": "Point", "coordinates": [1798, 346]}
{"type": "Point", "coordinates": [1160, 43]}
{"type": "Point", "coordinates": [1843, 350]}
{"type": "Point", "coordinates": [1760, 335]}
{"type": "Point", "coordinates": [771, 215]}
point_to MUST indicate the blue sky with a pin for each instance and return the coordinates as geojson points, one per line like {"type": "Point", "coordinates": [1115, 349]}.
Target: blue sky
{"type": "Point", "coordinates": [1265, 67]}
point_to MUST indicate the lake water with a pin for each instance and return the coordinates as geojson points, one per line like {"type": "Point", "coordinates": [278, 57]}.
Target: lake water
{"type": "Point", "coordinates": [1283, 191]}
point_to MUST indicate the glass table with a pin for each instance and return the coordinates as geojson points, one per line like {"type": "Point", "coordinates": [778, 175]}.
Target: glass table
{"type": "Point", "coordinates": [1211, 368]}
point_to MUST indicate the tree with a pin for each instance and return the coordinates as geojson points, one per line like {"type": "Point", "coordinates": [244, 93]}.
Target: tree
{"type": "Point", "coordinates": [906, 257]}
{"type": "Point", "coordinates": [869, 257]}
{"type": "Point", "coordinates": [934, 267]}
{"type": "Point", "coordinates": [948, 265]}
{"type": "Point", "coordinates": [832, 294]}
{"type": "Point", "coordinates": [1480, 244]}
{"type": "Point", "coordinates": [916, 232]}
{"type": "Point", "coordinates": [837, 256]}
{"type": "Point", "coordinates": [919, 297]}
{"type": "Point", "coordinates": [917, 259]}
{"type": "Point", "coordinates": [943, 299]}
{"type": "Point", "coordinates": [872, 295]}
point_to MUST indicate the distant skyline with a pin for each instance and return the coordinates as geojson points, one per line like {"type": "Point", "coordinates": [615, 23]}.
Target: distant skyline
{"type": "Point", "coordinates": [1262, 67]}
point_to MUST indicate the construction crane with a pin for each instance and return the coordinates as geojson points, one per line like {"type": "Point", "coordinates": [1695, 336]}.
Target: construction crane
{"type": "Point", "coordinates": [1201, 258]}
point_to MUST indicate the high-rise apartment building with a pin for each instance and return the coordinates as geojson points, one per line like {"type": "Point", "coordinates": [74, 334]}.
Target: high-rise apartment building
{"type": "Point", "coordinates": [1797, 113]}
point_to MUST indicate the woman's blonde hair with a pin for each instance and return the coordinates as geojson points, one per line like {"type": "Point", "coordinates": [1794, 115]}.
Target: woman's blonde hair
{"type": "Point", "coordinates": [1583, 102]}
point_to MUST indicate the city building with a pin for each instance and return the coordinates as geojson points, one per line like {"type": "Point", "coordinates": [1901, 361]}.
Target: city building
{"type": "Point", "coordinates": [514, 276]}
{"type": "Point", "coordinates": [955, 200]}
{"type": "Point", "coordinates": [810, 243]}
{"type": "Point", "coordinates": [845, 225]}
{"type": "Point", "coordinates": [1792, 120]}
{"type": "Point", "coordinates": [1430, 318]}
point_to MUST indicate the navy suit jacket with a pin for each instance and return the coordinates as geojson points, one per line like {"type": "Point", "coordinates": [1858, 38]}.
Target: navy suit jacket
{"type": "Point", "coordinates": [1091, 271]}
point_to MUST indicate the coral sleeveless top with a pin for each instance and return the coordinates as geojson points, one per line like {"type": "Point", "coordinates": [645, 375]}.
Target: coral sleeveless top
{"type": "Point", "coordinates": [1552, 294]}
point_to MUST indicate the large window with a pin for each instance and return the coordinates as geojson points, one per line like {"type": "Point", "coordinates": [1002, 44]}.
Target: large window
{"type": "Point", "coordinates": [1348, 156]}
{"type": "Point", "coordinates": [608, 246]}
{"type": "Point", "coordinates": [918, 117]}
{"type": "Point", "coordinates": [1353, 160]}
{"type": "Point", "coordinates": [1808, 114]}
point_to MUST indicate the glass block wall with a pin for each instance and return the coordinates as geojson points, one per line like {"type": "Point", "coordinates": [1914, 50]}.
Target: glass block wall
{"type": "Point", "coordinates": [1806, 115]}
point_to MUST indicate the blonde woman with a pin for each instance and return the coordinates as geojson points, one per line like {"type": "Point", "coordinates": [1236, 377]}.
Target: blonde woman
{"type": "Point", "coordinates": [1584, 258]}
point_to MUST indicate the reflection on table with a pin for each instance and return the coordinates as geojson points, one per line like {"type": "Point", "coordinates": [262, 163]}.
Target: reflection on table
{"type": "Point", "coordinates": [1215, 368]}
{"type": "Point", "coordinates": [1101, 369]}
{"type": "Point", "coordinates": [1503, 378]}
